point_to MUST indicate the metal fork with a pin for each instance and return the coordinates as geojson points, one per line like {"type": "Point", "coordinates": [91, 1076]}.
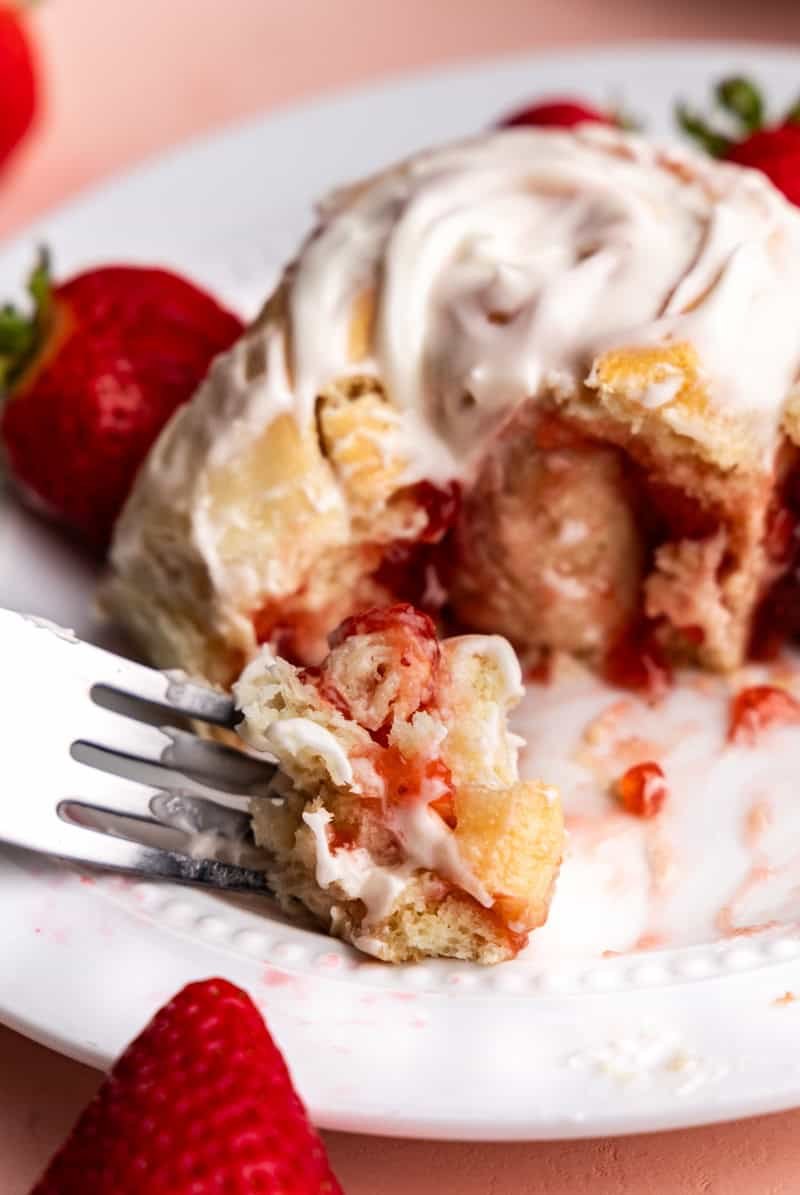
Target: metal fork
{"type": "Point", "coordinates": [86, 782]}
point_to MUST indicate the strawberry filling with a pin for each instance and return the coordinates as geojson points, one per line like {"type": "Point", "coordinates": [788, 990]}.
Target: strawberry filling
{"type": "Point", "coordinates": [554, 434]}
{"type": "Point", "coordinates": [285, 637]}
{"type": "Point", "coordinates": [416, 571]}
{"type": "Point", "coordinates": [417, 574]}
{"type": "Point", "coordinates": [401, 620]}
{"type": "Point", "coordinates": [417, 779]}
{"type": "Point", "coordinates": [416, 658]}
{"type": "Point", "coordinates": [291, 631]}
{"type": "Point", "coordinates": [642, 790]}
{"type": "Point", "coordinates": [413, 572]}
{"type": "Point", "coordinates": [756, 709]}
{"type": "Point", "coordinates": [341, 838]}
{"type": "Point", "coordinates": [410, 637]}
{"type": "Point", "coordinates": [441, 505]}
{"type": "Point", "coordinates": [637, 661]}
{"type": "Point", "coordinates": [778, 616]}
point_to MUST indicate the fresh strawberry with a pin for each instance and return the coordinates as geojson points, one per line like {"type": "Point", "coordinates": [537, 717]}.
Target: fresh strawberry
{"type": "Point", "coordinates": [776, 152]}
{"type": "Point", "coordinates": [200, 1102]}
{"type": "Point", "coordinates": [92, 378]}
{"type": "Point", "coordinates": [18, 86]}
{"type": "Point", "coordinates": [557, 113]}
{"type": "Point", "coordinates": [774, 149]}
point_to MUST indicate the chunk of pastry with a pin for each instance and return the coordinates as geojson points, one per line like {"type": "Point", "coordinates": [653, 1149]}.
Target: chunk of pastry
{"type": "Point", "coordinates": [398, 817]}
{"type": "Point", "coordinates": [543, 382]}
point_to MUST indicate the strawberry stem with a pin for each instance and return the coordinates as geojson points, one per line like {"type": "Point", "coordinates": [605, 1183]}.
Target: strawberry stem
{"type": "Point", "coordinates": [710, 140]}
{"type": "Point", "coordinates": [21, 335]}
{"type": "Point", "coordinates": [793, 115]}
{"type": "Point", "coordinates": [742, 99]}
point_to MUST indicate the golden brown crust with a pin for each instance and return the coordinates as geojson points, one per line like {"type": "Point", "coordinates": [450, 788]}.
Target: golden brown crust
{"type": "Point", "coordinates": [687, 424]}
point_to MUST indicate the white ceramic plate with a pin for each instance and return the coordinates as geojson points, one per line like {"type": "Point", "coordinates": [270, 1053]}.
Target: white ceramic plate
{"type": "Point", "coordinates": [582, 1036]}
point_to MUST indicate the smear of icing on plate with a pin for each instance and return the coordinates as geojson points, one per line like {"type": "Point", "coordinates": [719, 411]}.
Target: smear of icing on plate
{"type": "Point", "coordinates": [721, 859]}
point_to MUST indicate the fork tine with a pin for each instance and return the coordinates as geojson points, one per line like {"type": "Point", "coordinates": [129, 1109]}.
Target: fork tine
{"type": "Point", "coordinates": [171, 690]}
{"type": "Point", "coordinates": [117, 794]}
{"type": "Point", "coordinates": [200, 815]}
{"type": "Point", "coordinates": [171, 747]}
{"type": "Point", "coordinates": [188, 764]}
{"type": "Point", "coordinates": [192, 825]}
{"type": "Point", "coordinates": [216, 762]}
{"type": "Point", "coordinates": [105, 728]}
{"type": "Point", "coordinates": [169, 800]}
{"type": "Point", "coordinates": [83, 845]}
{"type": "Point", "coordinates": [181, 750]}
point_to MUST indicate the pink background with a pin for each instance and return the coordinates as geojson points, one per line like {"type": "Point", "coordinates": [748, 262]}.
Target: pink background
{"type": "Point", "coordinates": [124, 79]}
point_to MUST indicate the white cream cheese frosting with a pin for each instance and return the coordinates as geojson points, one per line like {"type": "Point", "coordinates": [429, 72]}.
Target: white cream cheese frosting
{"type": "Point", "coordinates": [500, 268]}
{"type": "Point", "coordinates": [495, 270]}
{"type": "Point", "coordinates": [504, 265]}
{"type": "Point", "coordinates": [355, 871]}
